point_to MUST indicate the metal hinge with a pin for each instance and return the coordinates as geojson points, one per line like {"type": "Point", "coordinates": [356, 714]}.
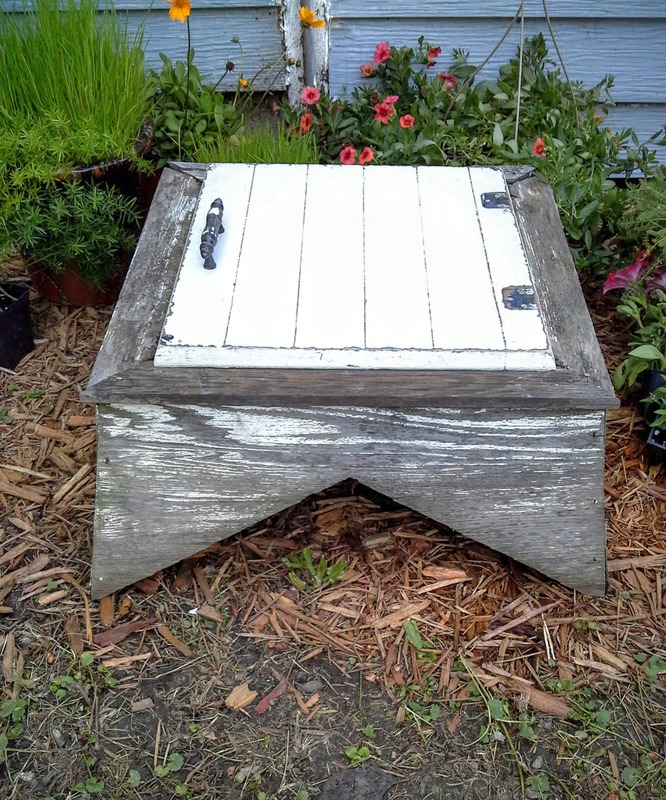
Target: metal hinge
{"type": "Point", "coordinates": [495, 200]}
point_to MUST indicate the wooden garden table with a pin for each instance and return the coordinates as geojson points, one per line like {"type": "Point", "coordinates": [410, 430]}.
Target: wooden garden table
{"type": "Point", "coordinates": [419, 329]}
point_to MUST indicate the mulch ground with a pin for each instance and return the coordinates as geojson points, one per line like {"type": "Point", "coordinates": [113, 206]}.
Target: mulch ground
{"type": "Point", "coordinates": [516, 632]}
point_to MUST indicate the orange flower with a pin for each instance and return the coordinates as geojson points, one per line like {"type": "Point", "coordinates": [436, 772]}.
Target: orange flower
{"type": "Point", "coordinates": [180, 9]}
{"type": "Point", "coordinates": [309, 18]}
{"type": "Point", "coordinates": [407, 121]}
{"type": "Point", "coordinates": [367, 70]}
{"type": "Point", "coordinates": [242, 82]}
{"type": "Point", "coordinates": [305, 124]}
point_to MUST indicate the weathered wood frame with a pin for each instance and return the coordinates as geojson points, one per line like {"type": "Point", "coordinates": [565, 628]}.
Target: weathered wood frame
{"type": "Point", "coordinates": [534, 492]}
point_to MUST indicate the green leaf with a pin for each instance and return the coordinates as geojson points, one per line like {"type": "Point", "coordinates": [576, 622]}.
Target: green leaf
{"type": "Point", "coordinates": [135, 779]}
{"type": "Point", "coordinates": [646, 351]}
{"type": "Point", "coordinates": [413, 635]}
{"type": "Point", "coordinates": [630, 776]}
{"type": "Point", "coordinates": [161, 771]}
{"type": "Point", "coordinates": [175, 762]}
{"type": "Point", "coordinates": [86, 658]}
{"type": "Point", "coordinates": [498, 136]}
{"type": "Point", "coordinates": [496, 708]}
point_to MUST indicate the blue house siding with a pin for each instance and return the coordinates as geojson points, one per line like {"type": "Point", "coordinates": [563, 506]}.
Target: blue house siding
{"type": "Point", "coordinates": [213, 23]}
{"type": "Point", "coordinates": [595, 38]}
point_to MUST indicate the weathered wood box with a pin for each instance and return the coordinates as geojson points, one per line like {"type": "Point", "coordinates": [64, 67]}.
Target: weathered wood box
{"type": "Point", "coordinates": [419, 329]}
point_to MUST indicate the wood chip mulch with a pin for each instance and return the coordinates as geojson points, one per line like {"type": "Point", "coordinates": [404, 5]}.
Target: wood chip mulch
{"type": "Point", "coordinates": [509, 626]}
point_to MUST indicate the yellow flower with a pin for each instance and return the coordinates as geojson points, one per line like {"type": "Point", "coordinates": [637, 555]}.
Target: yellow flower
{"type": "Point", "coordinates": [309, 18]}
{"type": "Point", "coordinates": [180, 9]}
{"type": "Point", "coordinates": [242, 82]}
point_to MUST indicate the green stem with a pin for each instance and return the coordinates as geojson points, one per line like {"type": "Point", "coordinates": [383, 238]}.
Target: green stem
{"type": "Point", "coordinates": [187, 88]}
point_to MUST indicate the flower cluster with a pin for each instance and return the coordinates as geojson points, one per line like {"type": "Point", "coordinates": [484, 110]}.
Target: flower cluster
{"type": "Point", "coordinates": [348, 155]}
{"type": "Point", "coordinates": [634, 273]}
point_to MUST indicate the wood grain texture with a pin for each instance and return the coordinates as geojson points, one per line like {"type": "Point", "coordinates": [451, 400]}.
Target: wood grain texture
{"type": "Point", "coordinates": [173, 479]}
{"type": "Point", "coordinates": [257, 28]}
{"type": "Point", "coordinates": [565, 312]}
{"type": "Point", "coordinates": [139, 313]}
{"type": "Point", "coordinates": [426, 9]}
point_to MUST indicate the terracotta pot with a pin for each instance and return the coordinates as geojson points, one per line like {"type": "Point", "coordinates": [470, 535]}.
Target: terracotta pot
{"type": "Point", "coordinates": [15, 325]}
{"type": "Point", "coordinates": [68, 289]}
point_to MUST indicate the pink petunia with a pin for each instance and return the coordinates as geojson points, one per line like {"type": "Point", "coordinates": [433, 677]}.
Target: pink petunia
{"type": "Point", "coordinates": [539, 148]}
{"type": "Point", "coordinates": [657, 281]}
{"type": "Point", "coordinates": [366, 156]}
{"type": "Point", "coordinates": [383, 112]}
{"type": "Point", "coordinates": [382, 53]}
{"type": "Point", "coordinates": [407, 121]}
{"type": "Point", "coordinates": [310, 95]}
{"type": "Point", "coordinates": [448, 80]}
{"type": "Point", "coordinates": [348, 155]}
{"type": "Point", "coordinates": [392, 98]}
{"type": "Point", "coordinates": [368, 70]}
{"type": "Point", "coordinates": [624, 277]}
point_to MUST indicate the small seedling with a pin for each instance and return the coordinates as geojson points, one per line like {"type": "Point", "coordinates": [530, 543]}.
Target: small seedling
{"type": "Point", "coordinates": [311, 574]}
{"type": "Point", "coordinates": [369, 731]}
{"type": "Point", "coordinates": [357, 755]}
{"type": "Point", "coordinates": [174, 764]}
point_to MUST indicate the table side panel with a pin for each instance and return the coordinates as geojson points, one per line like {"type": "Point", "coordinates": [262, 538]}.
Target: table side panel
{"type": "Point", "coordinates": [173, 479]}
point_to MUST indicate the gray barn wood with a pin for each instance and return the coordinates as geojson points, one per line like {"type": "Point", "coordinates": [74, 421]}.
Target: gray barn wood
{"type": "Point", "coordinates": [188, 456]}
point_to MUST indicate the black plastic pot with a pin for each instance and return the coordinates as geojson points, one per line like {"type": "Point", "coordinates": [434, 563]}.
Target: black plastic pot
{"type": "Point", "coordinates": [656, 445]}
{"type": "Point", "coordinates": [15, 325]}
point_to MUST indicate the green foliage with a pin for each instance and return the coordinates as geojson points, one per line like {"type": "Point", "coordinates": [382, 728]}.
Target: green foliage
{"type": "Point", "coordinates": [187, 118]}
{"type": "Point", "coordinates": [311, 574]}
{"type": "Point", "coordinates": [174, 764]}
{"type": "Point", "coordinates": [71, 69]}
{"type": "Point", "coordinates": [645, 219]}
{"type": "Point", "coordinates": [72, 94]}
{"type": "Point", "coordinates": [648, 315]}
{"type": "Point", "coordinates": [445, 118]}
{"type": "Point", "coordinates": [75, 223]}
{"type": "Point", "coordinates": [357, 755]}
{"type": "Point", "coordinates": [263, 146]}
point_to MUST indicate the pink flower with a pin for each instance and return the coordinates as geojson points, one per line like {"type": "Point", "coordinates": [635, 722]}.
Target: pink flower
{"type": "Point", "coordinates": [368, 70]}
{"type": "Point", "coordinates": [383, 112]}
{"type": "Point", "coordinates": [407, 121]}
{"type": "Point", "coordinates": [539, 148]}
{"type": "Point", "coordinates": [392, 98]}
{"type": "Point", "coordinates": [305, 124]}
{"type": "Point", "coordinates": [382, 53]}
{"type": "Point", "coordinates": [623, 277]}
{"type": "Point", "coordinates": [366, 156]}
{"type": "Point", "coordinates": [657, 281]}
{"type": "Point", "coordinates": [348, 155]}
{"type": "Point", "coordinates": [448, 80]}
{"type": "Point", "coordinates": [310, 95]}
{"type": "Point", "coordinates": [433, 52]}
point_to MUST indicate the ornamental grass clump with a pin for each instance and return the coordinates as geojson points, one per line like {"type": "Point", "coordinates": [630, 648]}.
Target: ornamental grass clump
{"type": "Point", "coordinates": [410, 108]}
{"type": "Point", "coordinates": [78, 75]}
